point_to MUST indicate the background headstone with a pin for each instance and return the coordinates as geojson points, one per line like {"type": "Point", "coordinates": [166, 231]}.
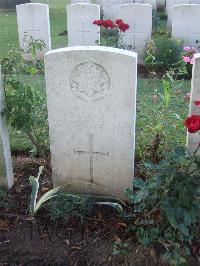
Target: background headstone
{"type": "Point", "coordinates": [6, 170]}
{"type": "Point", "coordinates": [170, 8]}
{"type": "Point", "coordinates": [150, 2]}
{"type": "Point", "coordinates": [136, 37]}
{"type": "Point", "coordinates": [33, 19]}
{"type": "Point", "coordinates": [80, 27]}
{"type": "Point", "coordinates": [91, 113]}
{"type": "Point", "coordinates": [80, 1]}
{"type": "Point", "coordinates": [109, 8]}
{"type": "Point", "coordinates": [193, 139]}
{"type": "Point", "coordinates": [186, 25]}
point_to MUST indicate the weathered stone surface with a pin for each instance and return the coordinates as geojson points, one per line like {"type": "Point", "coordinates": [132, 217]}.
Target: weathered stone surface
{"type": "Point", "coordinates": [6, 171]}
{"type": "Point", "coordinates": [185, 24]}
{"type": "Point", "coordinates": [33, 20]}
{"type": "Point", "coordinates": [81, 30]}
{"type": "Point", "coordinates": [91, 113]}
{"type": "Point", "coordinates": [136, 37]}
{"type": "Point", "coordinates": [193, 139]}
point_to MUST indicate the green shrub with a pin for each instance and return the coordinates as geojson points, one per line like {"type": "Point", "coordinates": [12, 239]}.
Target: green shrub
{"type": "Point", "coordinates": [167, 204]}
{"type": "Point", "coordinates": [163, 53]}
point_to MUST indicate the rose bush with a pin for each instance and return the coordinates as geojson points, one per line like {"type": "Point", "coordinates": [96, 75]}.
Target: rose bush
{"type": "Point", "coordinates": [112, 32]}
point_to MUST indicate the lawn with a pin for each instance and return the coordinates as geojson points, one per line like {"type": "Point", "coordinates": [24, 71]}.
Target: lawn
{"type": "Point", "coordinates": [146, 87]}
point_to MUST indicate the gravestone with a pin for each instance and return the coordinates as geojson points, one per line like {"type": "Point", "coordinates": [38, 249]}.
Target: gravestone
{"type": "Point", "coordinates": [6, 171]}
{"type": "Point", "coordinates": [33, 19]}
{"type": "Point", "coordinates": [91, 113]}
{"type": "Point", "coordinates": [149, 2]}
{"type": "Point", "coordinates": [186, 25]}
{"type": "Point", "coordinates": [81, 30]}
{"type": "Point", "coordinates": [170, 9]}
{"type": "Point", "coordinates": [136, 37]}
{"type": "Point", "coordinates": [193, 139]}
{"type": "Point", "coordinates": [80, 1]}
{"type": "Point", "coordinates": [109, 8]}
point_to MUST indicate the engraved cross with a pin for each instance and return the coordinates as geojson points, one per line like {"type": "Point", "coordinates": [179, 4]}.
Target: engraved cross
{"type": "Point", "coordinates": [83, 31]}
{"type": "Point", "coordinates": [91, 153]}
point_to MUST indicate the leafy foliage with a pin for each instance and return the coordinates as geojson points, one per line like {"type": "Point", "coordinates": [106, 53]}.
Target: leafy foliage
{"type": "Point", "coordinates": [34, 205]}
{"type": "Point", "coordinates": [168, 202]}
{"type": "Point", "coordinates": [162, 52]}
{"type": "Point", "coordinates": [25, 107]}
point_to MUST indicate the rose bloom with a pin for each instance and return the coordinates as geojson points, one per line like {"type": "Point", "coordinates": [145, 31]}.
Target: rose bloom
{"type": "Point", "coordinates": [187, 48]}
{"type": "Point", "coordinates": [192, 123]}
{"type": "Point", "coordinates": [186, 59]}
{"type": "Point", "coordinates": [197, 103]}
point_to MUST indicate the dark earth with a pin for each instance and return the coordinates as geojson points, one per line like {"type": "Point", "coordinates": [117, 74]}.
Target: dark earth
{"type": "Point", "coordinates": [40, 241]}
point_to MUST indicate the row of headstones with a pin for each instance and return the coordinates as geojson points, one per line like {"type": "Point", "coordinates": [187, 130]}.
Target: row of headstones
{"type": "Point", "coordinates": [34, 19]}
{"type": "Point", "coordinates": [92, 115]}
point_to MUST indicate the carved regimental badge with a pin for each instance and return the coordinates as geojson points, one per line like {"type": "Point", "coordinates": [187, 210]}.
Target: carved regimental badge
{"type": "Point", "coordinates": [89, 82]}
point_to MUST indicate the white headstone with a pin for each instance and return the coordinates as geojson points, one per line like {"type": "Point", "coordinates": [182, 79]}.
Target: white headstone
{"type": "Point", "coordinates": [149, 2]}
{"type": "Point", "coordinates": [193, 139]}
{"type": "Point", "coordinates": [81, 30]}
{"type": "Point", "coordinates": [33, 19]}
{"type": "Point", "coordinates": [80, 1]}
{"type": "Point", "coordinates": [136, 37]}
{"type": "Point", "coordinates": [170, 9]}
{"type": "Point", "coordinates": [6, 170]}
{"type": "Point", "coordinates": [109, 8]}
{"type": "Point", "coordinates": [186, 24]}
{"type": "Point", "coordinates": [91, 113]}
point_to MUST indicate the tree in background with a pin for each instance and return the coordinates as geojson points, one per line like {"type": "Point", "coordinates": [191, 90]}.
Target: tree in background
{"type": "Point", "coordinates": [12, 3]}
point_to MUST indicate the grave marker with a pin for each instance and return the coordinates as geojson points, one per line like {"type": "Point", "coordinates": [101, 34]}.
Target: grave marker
{"type": "Point", "coordinates": [6, 170]}
{"type": "Point", "coordinates": [193, 139]}
{"type": "Point", "coordinates": [33, 20]}
{"type": "Point", "coordinates": [81, 30]}
{"type": "Point", "coordinates": [91, 113]}
{"type": "Point", "coordinates": [185, 24]}
{"type": "Point", "coordinates": [136, 37]}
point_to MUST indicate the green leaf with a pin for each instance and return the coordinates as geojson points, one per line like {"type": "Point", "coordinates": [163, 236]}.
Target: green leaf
{"type": "Point", "coordinates": [138, 182]}
{"type": "Point", "coordinates": [184, 230]}
{"type": "Point", "coordinates": [116, 206]}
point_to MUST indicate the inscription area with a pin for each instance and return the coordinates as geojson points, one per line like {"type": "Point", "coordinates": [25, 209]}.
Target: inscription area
{"type": "Point", "coordinates": [90, 82]}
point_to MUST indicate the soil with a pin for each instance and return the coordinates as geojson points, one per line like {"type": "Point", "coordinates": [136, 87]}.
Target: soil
{"type": "Point", "coordinates": [40, 241]}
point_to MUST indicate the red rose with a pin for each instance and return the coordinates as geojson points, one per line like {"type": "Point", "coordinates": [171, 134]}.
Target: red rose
{"type": "Point", "coordinates": [119, 21]}
{"type": "Point", "coordinates": [108, 24]}
{"type": "Point", "coordinates": [98, 22]}
{"type": "Point", "coordinates": [123, 26]}
{"type": "Point", "coordinates": [192, 123]}
{"type": "Point", "coordinates": [197, 103]}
